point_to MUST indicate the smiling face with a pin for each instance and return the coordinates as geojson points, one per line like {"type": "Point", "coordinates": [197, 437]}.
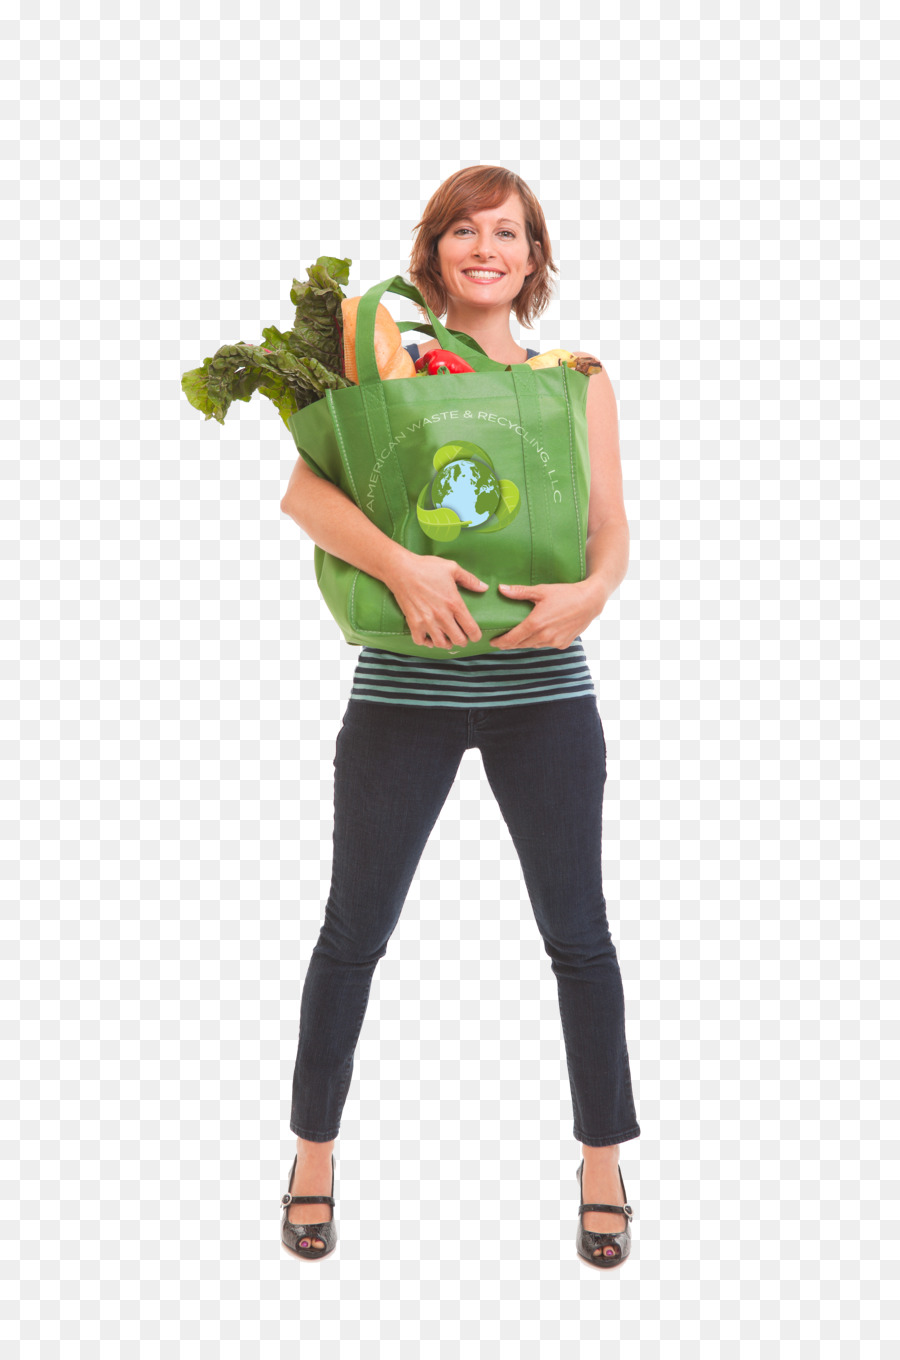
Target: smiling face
{"type": "Point", "coordinates": [484, 257]}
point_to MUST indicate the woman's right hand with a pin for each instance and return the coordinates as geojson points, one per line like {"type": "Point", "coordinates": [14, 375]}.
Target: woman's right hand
{"type": "Point", "coordinates": [426, 590]}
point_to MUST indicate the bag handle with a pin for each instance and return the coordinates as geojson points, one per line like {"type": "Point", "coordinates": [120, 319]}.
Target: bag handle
{"type": "Point", "coordinates": [539, 494]}
{"type": "Point", "coordinates": [457, 341]}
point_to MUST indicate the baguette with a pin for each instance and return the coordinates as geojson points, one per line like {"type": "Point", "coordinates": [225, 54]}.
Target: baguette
{"type": "Point", "coordinates": [392, 359]}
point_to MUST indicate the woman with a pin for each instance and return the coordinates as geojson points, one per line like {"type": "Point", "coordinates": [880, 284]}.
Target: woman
{"type": "Point", "coordinates": [528, 705]}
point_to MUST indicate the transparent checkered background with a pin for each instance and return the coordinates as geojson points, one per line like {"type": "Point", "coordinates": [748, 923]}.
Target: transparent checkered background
{"type": "Point", "coordinates": [722, 197]}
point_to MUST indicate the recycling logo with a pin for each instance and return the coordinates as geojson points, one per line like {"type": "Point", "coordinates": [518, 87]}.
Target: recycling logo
{"type": "Point", "coordinates": [465, 493]}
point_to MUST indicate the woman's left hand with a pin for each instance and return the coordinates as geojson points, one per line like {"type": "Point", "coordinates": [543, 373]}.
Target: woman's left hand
{"type": "Point", "coordinates": [561, 611]}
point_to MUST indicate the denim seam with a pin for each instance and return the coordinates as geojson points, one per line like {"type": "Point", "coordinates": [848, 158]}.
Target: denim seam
{"type": "Point", "coordinates": [611, 1140]}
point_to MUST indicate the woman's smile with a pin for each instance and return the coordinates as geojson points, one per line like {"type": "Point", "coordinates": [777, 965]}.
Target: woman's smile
{"type": "Point", "coordinates": [483, 276]}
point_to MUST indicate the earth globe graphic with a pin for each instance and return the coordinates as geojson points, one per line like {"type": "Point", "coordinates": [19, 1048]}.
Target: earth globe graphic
{"type": "Point", "coordinates": [469, 489]}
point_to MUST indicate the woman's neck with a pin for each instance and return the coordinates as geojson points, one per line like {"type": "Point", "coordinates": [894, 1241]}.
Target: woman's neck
{"type": "Point", "coordinates": [494, 337]}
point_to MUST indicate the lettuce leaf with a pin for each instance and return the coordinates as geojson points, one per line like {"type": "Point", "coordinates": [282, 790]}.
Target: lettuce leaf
{"type": "Point", "coordinates": [292, 368]}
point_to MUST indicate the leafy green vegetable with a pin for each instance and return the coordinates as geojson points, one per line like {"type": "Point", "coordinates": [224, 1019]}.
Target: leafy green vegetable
{"type": "Point", "coordinates": [292, 368]}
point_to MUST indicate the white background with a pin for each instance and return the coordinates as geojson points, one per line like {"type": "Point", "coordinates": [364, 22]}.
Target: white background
{"type": "Point", "coordinates": [721, 195]}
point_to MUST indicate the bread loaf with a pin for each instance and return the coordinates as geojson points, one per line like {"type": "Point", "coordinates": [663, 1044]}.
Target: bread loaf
{"type": "Point", "coordinates": [392, 359]}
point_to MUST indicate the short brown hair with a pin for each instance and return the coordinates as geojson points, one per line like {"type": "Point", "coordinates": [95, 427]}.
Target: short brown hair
{"type": "Point", "coordinates": [470, 190]}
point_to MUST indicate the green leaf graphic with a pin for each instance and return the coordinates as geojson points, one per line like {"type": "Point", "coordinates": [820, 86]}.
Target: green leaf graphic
{"type": "Point", "coordinates": [449, 453]}
{"type": "Point", "coordinates": [440, 524]}
{"type": "Point", "coordinates": [509, 507]}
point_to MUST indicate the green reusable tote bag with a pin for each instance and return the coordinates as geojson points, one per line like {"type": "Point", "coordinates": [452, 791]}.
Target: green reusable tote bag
{"type": "Point", "coordinates": [490, 469]}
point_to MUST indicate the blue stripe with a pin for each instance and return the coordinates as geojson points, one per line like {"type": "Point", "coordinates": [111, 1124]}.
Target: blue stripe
{"type": "Point", "coordinates": [468, 703]}
{"type": "Point", "coordinates": [493, 681]}
{"type": "Point", "coordinates": [532, 675]}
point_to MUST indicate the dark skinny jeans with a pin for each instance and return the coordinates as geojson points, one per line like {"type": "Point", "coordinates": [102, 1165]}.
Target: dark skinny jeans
{"type": "Point", "coordinates": [394, 767]}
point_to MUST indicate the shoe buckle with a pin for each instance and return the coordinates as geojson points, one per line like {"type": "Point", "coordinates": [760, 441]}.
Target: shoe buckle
{"type": "Point", "coordinates": [285, 1200]}
{"type": "Point", "coordinates": [628, 1210]}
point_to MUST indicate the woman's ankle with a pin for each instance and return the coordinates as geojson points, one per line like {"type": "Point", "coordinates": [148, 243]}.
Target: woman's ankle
{"type": "Point", "coordinates": [308, 1150]}
{"type": "Point", "coordinates": [600, 1154]}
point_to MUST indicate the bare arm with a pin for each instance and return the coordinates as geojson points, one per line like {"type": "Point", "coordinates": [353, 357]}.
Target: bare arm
{"type": "Point", "coordinates": [339, 527]}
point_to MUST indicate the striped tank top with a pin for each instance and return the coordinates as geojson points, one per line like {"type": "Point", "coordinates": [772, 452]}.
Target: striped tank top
{"type": "Point", "coordinates": [490, 680]}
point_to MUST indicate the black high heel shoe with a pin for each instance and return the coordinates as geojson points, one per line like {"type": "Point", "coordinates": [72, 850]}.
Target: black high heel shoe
{"type": "Point", "coordinates": [293, 1233]}
{"type": "Point", "coordinates": [615, 1247]}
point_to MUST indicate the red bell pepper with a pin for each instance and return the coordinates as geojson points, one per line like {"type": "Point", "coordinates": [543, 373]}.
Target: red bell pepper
{"type": "Point", "coordinates": [441, 361]}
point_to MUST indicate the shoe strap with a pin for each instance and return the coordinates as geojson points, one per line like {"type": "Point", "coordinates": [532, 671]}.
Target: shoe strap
{"type": "Point", "coordinates": [625, 1209]}
{"type": "Point", "coordinates": [287, 1200]}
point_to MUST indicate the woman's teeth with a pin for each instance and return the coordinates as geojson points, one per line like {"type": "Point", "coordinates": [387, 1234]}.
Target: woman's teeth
{"type": "Point", "coordinates": [484, 275]}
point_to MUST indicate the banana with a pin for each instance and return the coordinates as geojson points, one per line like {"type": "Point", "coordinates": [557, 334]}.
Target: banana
{"type": "Point", "coordinates": [556, 358]}
{"type": "Point", "coordinates": [551, 358]}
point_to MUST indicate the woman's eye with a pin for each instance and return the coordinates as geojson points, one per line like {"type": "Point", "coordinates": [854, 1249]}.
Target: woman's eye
{"type": "Point", "coordinates": [504, 231]}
